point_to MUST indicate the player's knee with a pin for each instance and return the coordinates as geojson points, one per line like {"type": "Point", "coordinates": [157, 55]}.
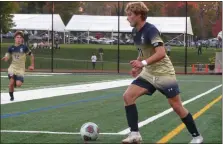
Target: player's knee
{"type": "Point", "coordinates": [128, 98]}
{"type": "Point", "coordinates": [18, 84]}
{"type": "Point", "coordinates": [125, 97]}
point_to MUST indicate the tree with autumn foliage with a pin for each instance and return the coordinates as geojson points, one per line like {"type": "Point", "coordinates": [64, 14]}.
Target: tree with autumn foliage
{"type": "Point", "coordinates": [65, 9]}
{"type": "Point", "coordinates": [6, 9]}
{"type": "Point", "coordinates": [203, 15]}
{"type": "Point", "coordinates": [206, 17]}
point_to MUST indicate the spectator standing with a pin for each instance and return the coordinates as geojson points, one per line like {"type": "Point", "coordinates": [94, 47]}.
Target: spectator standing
{"type": "Point", "coordinates": [93, 60]}
{"type": "Point", "coordinates": [199, 52]}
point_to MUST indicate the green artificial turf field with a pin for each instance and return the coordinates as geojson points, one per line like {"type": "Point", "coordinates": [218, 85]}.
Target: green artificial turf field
{"type": "Point", "coordinates": [35, 120]}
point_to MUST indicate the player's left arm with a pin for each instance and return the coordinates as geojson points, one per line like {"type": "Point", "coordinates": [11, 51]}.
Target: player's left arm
{"type": "Point", "coordinates": [32, 59]}
{"type": "Point", "coordinates": [157, 43]}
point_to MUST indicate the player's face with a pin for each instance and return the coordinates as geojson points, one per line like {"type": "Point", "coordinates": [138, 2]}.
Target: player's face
{"type": "Point", "coordinates": [18, 39]}
{"type": "Point", "coordinates": [133, 18]}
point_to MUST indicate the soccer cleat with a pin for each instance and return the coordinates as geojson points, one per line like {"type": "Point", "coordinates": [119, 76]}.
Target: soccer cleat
{"type": "Point", "coordinates": [134, 137]}
{"type": "Point", "coordinates": [12, 98]}
{"type": "Point", "coordinates": [197, 140]}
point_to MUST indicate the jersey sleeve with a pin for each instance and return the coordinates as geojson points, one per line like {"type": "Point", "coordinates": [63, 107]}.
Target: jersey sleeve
{"type": "Point", "coordinates": [154, 37]}
{"type": "Point", "coordinates": [9, 52]}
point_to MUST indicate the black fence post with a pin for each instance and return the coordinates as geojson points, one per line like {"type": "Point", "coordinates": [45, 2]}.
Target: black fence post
{"type": "Point", "coordinates": [52, 39]}
{"type": "Point", "coordinates": [118, 38]}
{"type": "Point", "coordinates": [185, 64]}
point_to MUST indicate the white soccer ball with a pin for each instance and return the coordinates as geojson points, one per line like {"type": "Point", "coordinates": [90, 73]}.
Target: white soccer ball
{"type": "Point", "coordinates": [89, 131]}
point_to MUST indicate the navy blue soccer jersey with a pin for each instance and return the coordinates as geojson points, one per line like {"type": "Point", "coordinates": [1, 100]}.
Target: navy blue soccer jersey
{"type": "Point", "coordinates": [146, 40]}
{"type": "Point", "coordinates": [18, 55]}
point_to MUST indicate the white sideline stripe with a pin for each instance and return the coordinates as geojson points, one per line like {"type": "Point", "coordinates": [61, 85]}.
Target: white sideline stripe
{"type": "Point", "coordinates": [30, 76]}
{"type": "Point", "coordinates": [50, 132]}
{"type": "Point", "coordinates": [49, 73]}
{"type": "Point", "coordinates": [65, 90]}
{"type": "Point", "coordinates": [155, 117]}
{"type": "Point", "coordinates": [202, 81]}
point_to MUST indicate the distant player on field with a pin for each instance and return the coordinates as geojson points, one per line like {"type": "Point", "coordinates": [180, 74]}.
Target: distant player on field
{"type": "Point", "coordinates": [16, 70]}
{"type": "Point", "coordinates": [153, 71]}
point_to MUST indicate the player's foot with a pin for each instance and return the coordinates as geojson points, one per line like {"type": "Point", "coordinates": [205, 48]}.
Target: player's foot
{"type": "Point", "coordinates": [197, 140]}
{"type": "Point", "coordinates": [12, 98]}
{"type": "Point", "coordinates": [134, 137]}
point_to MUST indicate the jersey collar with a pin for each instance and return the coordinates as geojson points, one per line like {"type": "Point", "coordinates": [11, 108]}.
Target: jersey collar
{"type": "Point", "coordinates": [143, 27]}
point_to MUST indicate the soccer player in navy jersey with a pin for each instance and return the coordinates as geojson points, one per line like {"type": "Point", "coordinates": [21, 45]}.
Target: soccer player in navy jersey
{"type": "Point", "coordinates": [153, 71]}
{"type": "Point", "coordinates": [16, 70]}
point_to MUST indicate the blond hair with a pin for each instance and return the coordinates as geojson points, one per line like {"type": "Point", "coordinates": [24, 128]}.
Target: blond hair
{"type": "Point", "coordinates": [138, 8]}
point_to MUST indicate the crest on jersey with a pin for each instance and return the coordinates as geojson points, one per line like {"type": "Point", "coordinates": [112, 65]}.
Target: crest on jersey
{"type": "Point", "coordinates": [156, 78]}
{"type": "Point", "coordinates": [21, 50]}
{"type": "Point", "coordinates": [142, 39]}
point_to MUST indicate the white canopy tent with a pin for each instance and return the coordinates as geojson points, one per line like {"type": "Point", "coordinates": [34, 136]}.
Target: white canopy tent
{"type": "Point", "coordinates": [38, 22]}
{"type": "Point", "coordinates": [110, 24]}
{"type": "Point", "coordinates": [89, 23]}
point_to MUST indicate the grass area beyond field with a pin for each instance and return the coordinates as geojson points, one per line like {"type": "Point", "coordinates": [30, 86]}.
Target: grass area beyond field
{"type": "Point", "coordinates": [78, 56]}
{"type": "Point", "coordinates": [67, 113]}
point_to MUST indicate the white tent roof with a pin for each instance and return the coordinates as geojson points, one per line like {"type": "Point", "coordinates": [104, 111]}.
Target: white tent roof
{"type": "Point", "coordinates": [110, 24]}
{"type": "Point", "coordinates": [38, 22]}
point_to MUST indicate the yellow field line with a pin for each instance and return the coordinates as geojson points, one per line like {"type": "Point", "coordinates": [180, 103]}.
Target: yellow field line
{"type": "Point", "coordinates": [178, 129]}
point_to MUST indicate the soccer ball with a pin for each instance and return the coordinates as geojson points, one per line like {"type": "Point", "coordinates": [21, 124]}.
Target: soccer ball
{"type": "Point", "coordinates": [89, 131]}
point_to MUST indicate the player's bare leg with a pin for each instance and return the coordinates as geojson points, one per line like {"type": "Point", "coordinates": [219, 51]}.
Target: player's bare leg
{"type": "Point", "coordinates": [11, 88]}
{"type": "Point", "coordinates": [130, 96]}
{"type": "Point", "coordinates": [186, 117]}
{"type": "Point", "coordinates": [18, 83]}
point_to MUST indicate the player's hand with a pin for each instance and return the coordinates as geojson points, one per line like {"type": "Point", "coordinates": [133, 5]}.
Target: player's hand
{"type": "Point", "coordinates": [136, 64]}
{"type": "Point", "coordinates": [5, 59]}
{"type": "Point", "coordinates": [31, 67]}
{"type": "Point", "coordinates": [135, 72]}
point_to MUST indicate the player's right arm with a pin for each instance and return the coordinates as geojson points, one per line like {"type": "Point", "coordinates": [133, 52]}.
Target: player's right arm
{"type": "Point", "coordinates": [136, 71]}
{"type": "Point", "coordinates": [7, 55]}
